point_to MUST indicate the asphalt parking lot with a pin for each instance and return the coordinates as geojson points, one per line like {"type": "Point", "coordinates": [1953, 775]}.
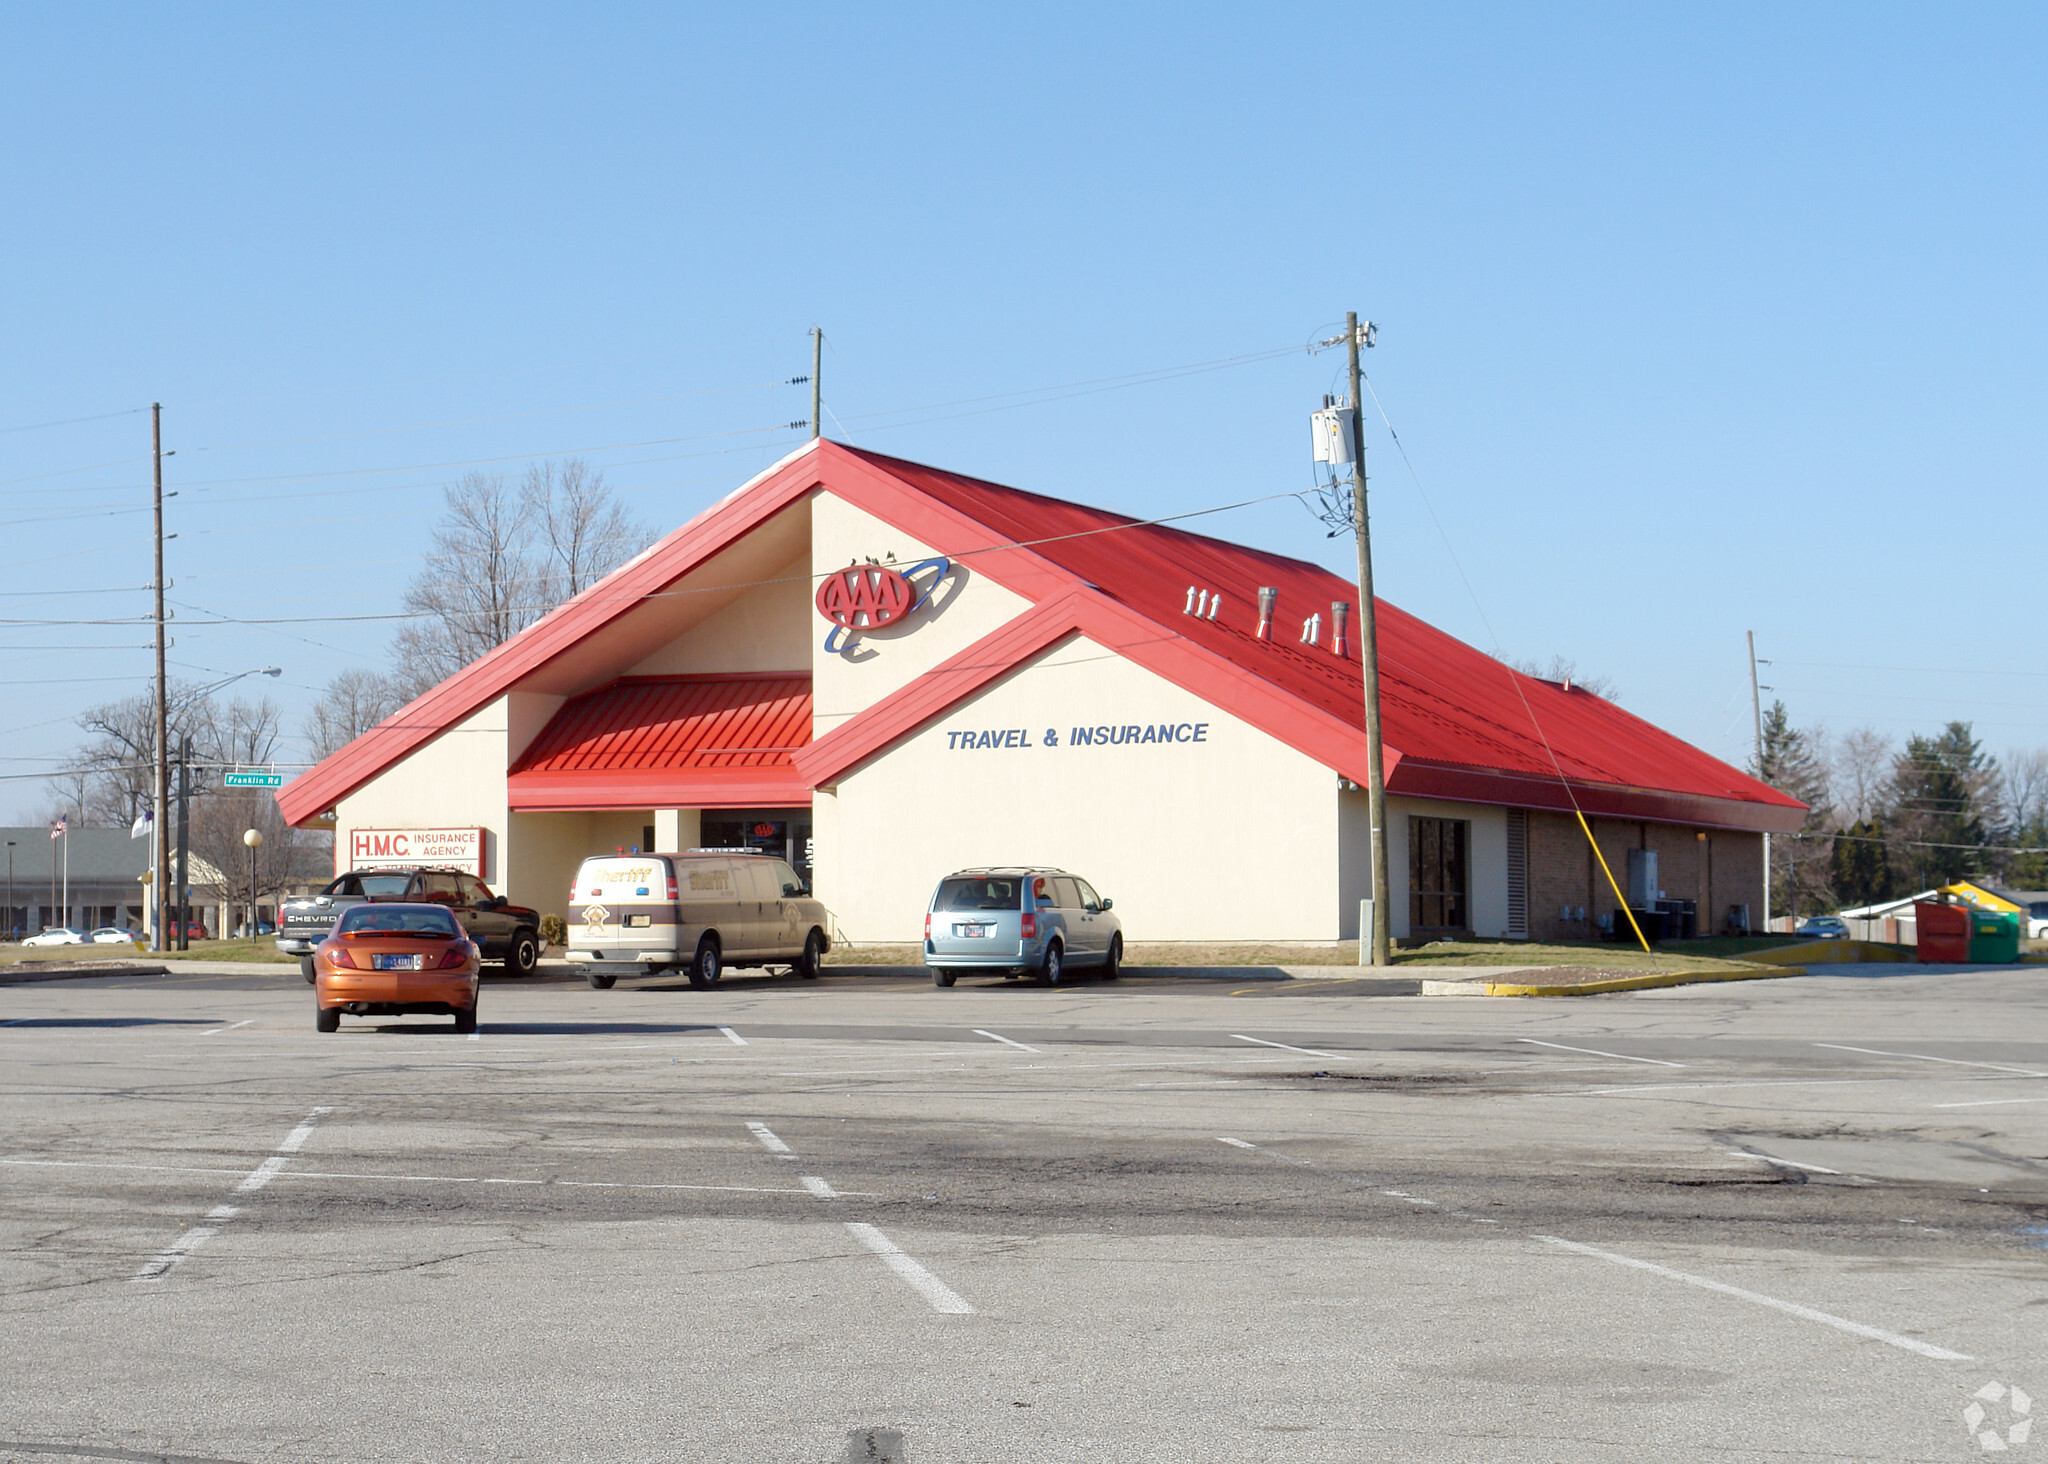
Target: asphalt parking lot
{"type": "Point", "coordinates": [1165, 1219]}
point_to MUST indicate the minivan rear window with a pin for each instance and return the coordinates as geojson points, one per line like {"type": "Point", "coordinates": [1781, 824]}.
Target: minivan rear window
{"type": "Point", "coordinates": [980, 894]}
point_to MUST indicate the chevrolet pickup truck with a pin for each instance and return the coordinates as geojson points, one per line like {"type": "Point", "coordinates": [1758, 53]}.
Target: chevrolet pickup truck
{"type": "Point", "coordinates": [504, 931]}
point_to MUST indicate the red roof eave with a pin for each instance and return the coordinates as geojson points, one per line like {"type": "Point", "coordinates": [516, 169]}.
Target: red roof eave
{"type": "Point", "coordinates": [657, 788]}
{"type": "Point", "coordinates": [493, 674]}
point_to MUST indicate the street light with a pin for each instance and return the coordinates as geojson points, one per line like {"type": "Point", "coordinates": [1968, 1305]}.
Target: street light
{"type": "Point", "coordinates": [254, 839]}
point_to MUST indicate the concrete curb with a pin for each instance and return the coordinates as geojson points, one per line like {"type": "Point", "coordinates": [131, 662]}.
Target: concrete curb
{"type": "Point", "coordinates": [1599, 988]}
{"type": "Point", "coordinates": [36, 971]}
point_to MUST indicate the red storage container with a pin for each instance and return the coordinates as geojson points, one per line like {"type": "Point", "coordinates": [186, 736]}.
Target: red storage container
{"type": "Point", "coordinates": [1944, 931]}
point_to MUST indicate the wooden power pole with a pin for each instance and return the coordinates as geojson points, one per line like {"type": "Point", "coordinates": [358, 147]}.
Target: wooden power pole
{"type": "Point", "coordinates": [1369, 656]}
{"type": "Point", "coordinates": [160, 823]}
{"type": "Point", "coordinates": [817, 386]}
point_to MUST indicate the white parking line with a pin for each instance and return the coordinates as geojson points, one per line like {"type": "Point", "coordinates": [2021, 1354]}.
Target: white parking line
{"type": "Point", "coordinates": [769, 1142]}
{"type": "Point", "coordinates": [262, 1174]}
{"type": "Point", "coordinates": [250, 1022]}
{"type": "Point", "coordinates": [1991, 1102]}
{"type": "Point", "coordinates": [1283, 1046]}
{"type": "Point", "coordinates": [1923, 1057]}
{"type": "Point", "coordinates": [1235, 1143]}
{"type": "Point", "coordinates": [733, 1037]}
{"type": "Point", "coordinates": [299, 1135]}
{"type": "Point", "coordinates": [1596, 1052]}
{"type": "Point", "coordinates": [819, 1188]}
{"type": "Point", "coordinates": [1788, 1163]}
{"type": "Point", "coordinates": [998, 1037]}
{"type": "Point", "coordinates": [159, 1265]}
{"type": "Point", "coordinates": [743, 1189]}
{"type": "Point", "coordinates": [198, 1235]}
{"type": "Point", "coordinates": [1805, 1313]}
{"type": "Point", "coordinates": [942, 1297]}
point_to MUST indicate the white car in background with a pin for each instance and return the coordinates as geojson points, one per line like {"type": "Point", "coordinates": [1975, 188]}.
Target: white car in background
{"type": "Point", "coordinates": [57, 935]}
{"type": "Point", "coordinates": [111, 935]}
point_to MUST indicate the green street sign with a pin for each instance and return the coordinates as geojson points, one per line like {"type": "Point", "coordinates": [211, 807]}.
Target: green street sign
{"type": "Point", "coordinates": [253, 780]}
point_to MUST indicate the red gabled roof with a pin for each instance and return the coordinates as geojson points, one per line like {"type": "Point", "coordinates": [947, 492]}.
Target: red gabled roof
{"type": "Point", "coordinates": [669, 742]}
{"type": "Point", "coordinates": [1454, 718]}
{"type": "Point", "coordinates": [1458, 724]}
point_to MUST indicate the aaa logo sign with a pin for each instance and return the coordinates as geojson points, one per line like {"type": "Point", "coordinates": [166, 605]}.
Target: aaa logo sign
{"type": "Point", "coordinates": [865, 597]}
{"type": "Point", "coordinates": [870, 596]}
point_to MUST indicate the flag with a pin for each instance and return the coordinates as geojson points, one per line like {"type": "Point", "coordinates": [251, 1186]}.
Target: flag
{"type": "Point", "coordinates": [57, 829]}
{"type": "Point", "coordinates": [142, 824]}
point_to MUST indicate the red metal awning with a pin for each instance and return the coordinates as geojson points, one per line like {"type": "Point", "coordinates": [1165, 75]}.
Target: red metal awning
{"type": "Point", "coordinates": [671, 742]}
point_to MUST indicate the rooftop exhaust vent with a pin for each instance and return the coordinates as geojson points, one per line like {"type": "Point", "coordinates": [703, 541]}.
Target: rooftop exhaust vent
{"type": "Point", "coordinates": [1202, 604]}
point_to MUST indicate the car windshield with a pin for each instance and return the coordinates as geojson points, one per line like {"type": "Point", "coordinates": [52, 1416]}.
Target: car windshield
{"type": "Point", "coordinates": [414, 922]}
{"type": "Point", "coordinates": [979, 894]}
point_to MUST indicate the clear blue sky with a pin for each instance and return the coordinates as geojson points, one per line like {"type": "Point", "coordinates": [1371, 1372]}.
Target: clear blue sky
{"type": "Point", "coordinates": [1692, 322]}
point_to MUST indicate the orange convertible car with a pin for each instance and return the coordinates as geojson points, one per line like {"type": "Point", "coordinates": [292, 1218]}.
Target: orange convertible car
{"type": "Point", "coordinates": [387, 959]}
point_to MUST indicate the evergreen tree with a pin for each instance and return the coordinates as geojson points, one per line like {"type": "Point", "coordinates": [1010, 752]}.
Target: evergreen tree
{"type": "Point", "coordinates": [1861, 871]}
{"type": "Point", "coordinates": [1942, 806]}
{"type": "Point", "coordinates": [1801, 867]}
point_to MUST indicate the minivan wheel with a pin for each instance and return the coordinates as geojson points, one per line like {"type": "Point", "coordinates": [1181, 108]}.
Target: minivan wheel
{"type": "Point", "coordinates": [307, 969]}
{"type": "Point", "coordinates": [601, 982]}
{"type": "Point", "coordinates": [1049, 972]}
{"type": "Point", "coordinates": [1113, 967]}
{"type": "Point", "coordinates": [944, 978]}
{"type": "Point", "coordinates": [524, 956]}
{"type": "Point", "coordinates": [813, 958]}
{"type": "Point", "coordinates": [704, 966]}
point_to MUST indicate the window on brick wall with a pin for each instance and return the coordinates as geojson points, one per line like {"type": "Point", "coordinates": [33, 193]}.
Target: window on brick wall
{"type": "Point", "coordinates": [1436, 873]}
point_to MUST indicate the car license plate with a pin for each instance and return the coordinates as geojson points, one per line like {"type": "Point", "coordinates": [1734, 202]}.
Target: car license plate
{"type": "Point", "coordinates": [396, 963]}
{"type": "Point", "coordinates": [980, 929]}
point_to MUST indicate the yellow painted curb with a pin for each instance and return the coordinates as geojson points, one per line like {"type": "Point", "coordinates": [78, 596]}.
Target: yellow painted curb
{"type": "Point", "coordinates": [1638, 983]}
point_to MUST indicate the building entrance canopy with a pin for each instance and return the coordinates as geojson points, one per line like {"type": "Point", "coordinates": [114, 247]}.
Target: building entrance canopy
{"type": "Point", "coordinates": [671, 742]}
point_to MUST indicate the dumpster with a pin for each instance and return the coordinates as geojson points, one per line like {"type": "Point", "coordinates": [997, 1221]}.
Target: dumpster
{"type": "Point", "coordinates": [1944, 931]}
{"type": "Point", "coordinates": [1994, 935]}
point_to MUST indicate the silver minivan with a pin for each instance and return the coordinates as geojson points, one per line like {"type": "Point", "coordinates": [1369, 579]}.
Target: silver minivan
{"type": "Point", "coordinates": [1020, 921]}
{"type": "Point", "coordinates": [646, 913]}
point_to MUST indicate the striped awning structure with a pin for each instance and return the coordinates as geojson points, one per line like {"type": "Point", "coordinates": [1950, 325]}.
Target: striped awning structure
{"type": "Point", "coordinates": [671, 742]}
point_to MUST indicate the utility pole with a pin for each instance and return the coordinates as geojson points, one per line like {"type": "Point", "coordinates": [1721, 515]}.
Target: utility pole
{"type": "Point", "coordinates": [160, 826]}
{"type": "Point", "coordinates": [1756, 714]}
{"type": "Point", "coordinates": [1369, 656]}
{"type": "Point", "coordinates": [12, 928]}
{"type": "Point", "coordinates": [184, 880]}
{"type": "Point", "coordinates": [817, 386]}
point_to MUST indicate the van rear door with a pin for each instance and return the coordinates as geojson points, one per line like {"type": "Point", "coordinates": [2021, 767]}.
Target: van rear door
{"type": "Point", "coordinates": [623, 909]}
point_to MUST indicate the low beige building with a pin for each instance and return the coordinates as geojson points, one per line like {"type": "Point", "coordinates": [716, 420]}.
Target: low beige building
{"type": "Point", "coordinates": [884, 672]}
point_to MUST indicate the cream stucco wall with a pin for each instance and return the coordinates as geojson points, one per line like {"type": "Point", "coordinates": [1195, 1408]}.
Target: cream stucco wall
{"type": "Point", "coordinates": [1228, 838]}
{"type": "Point", "coordinates": [766, 629]}
{"type": "Point", "coordinates": [1486, 873]}
{"type": "Point", "coordinates": [546, 849]}
{"type": "Point", "coordinates": [967, 607]}
{"type": "Point", "coordinates": [455, 781]}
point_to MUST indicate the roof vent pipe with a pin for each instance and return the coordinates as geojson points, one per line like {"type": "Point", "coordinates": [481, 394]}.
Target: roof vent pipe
{"type": "Point", "coordinates": [1312, 630]}
{"type": "Point", "coordinates": [1340, 611]}
{"type": "Point", "coordinates": [1214, 602]}
{"type": "Point", "coordinates": [1267, 595]}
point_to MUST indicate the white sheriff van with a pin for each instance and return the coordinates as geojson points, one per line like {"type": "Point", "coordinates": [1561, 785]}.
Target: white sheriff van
{"type": "Point", "coordinates": [701, 911]}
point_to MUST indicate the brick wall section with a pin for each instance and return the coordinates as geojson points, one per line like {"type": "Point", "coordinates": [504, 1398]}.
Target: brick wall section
{"type": "Point", "coordinates": [1723, 869]}
{"type": "Point", "coordinates": [1738, 878]}
{"type": "Point", "coordinates": [1558, 859]}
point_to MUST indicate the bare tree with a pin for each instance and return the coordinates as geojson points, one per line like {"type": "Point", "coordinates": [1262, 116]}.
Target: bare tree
{"type": "Point", "coordinates": [2023, 778]}
{"type": "Point", "coordinates": [1860, 765]}
{"type": "Point", "coordinates": [587, 532]}
{"type": "Point", "coordinates": [500, 560]}
{"type": "Point", "coordinates": [353, 703]}
{"type": "Point", "coordinates": [1564, 669]}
